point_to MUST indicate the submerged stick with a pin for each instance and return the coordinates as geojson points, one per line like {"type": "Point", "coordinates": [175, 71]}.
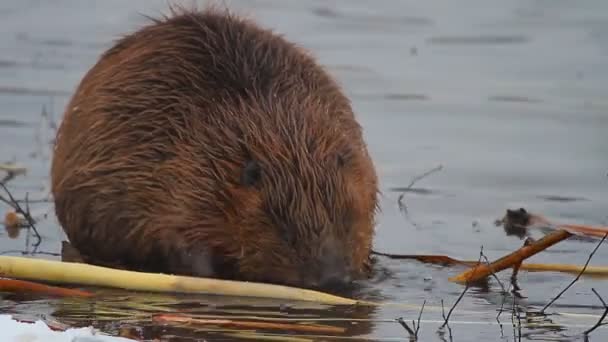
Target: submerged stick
{"type": "Point", "coordinates": [530, 267]}
{"type": "Point", "coordinates": [514, 258]}
{"type": "Point", "coordinates": [12, 285]}
{"type": "Point", "coordinates": [84, 274]}
{"type": "Point", "coordinates": [600, 321]}
{"type": "Point", "coordinates": [182, 319]}
{"type": "Point", "coordinates": [577, 277]}
{"type": "Point", "coordinates": [589, 271]}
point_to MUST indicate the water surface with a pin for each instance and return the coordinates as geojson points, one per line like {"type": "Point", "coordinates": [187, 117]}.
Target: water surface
{"type": "Point", "coordinates": [509, 97]}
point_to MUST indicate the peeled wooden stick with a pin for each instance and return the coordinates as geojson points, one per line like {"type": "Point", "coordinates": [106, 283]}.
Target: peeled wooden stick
{"type": "Point", "coordinates": [84, 274]}
{"type": "Point", "coordinates": [12, 167]}
{"type": "Point", "coordinates": [426, 258]}
{"type": "Point", "coordinates": [182, 319]}
{"type": "Point", "coordinates": [585, 230]}
{"type": "Point", "coordinates": [575, 269]}
{"type": "Point", "coordinates": [483, 270]}
{"type": "Point", "coordinates": [13, 285]}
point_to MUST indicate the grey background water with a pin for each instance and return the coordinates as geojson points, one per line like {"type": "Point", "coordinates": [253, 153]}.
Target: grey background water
{"type": "Point", "coordinates": [510, 97]}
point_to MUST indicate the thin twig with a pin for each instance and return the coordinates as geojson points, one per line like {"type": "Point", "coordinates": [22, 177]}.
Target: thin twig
{"type": "Point", "coordinates": [513, 318]}
{"type": "Point", "coordinates": [466, 287]}
{"type": "Point", "coordinates": [515, 314]}
{"type": "Point", "coordinates": [600, 322]}
{"type": "Point", "coordinates": [492, 272]}
{"type": "Point", "coordinates": [414, 180]}
{"type": "Point", "coordinates": [420, 316]}
{"type": "Point", "coordinates": [29, 253]}
{"type": "Point", "coordinates": [27, 236]}
{"type": "Point", "coordinates": [9, 176]}
{"type": "Point", "coordinates": [500, 311]}
{"type": "Point", "coordinates": [518, 315]}
{"type": "Point", "coordinates": [542, 311]}
{"type": "Point", "coordinates": [40, 200]}
{"type": "Point", "coordinates": [440, 331]}
{"type": "Point", "coordinates": [504, 290]}
{"type": "Point", "coordinates": [407, 327]}
{"type": "Point", "coordinates": [12, 171]}
{"type": "Point", "coordinates": [513, 288]}
{"type": "Point", "coordinates": [26, 213]}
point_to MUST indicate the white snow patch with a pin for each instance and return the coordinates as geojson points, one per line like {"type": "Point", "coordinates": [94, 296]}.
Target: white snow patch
{"type": "Point", "coordinates": [14, 331]}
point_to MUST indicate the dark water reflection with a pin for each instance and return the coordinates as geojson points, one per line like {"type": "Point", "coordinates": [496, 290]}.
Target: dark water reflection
{"type": "Point", "coordinates": [510, 97]}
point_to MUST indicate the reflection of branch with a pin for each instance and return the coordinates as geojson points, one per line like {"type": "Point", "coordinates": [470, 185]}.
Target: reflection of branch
{"type": "Point", "coordinates": [39, 200]}
{"type": "Point", "coordinates": [515, 314]}
{"type": "Point", "coordinates": [413, 332]}
{"type": "Point", "coordinates": [542, 311]}
{"type": "Point", "coordinates": [601, 320]}
{"type": "Point", "coordinates": [440, 331]}
{"type": "Point", "coordinates": [26, 213]}
{"type": "Point", "coordinates": [32, 253]}
{"type": "Point", "coordinates": [466, 287]}
{"type": "Point", "coordinates": [514, 288]}
{"type": "Point", "coordinates": [414, 180]}
{"type": "Point", "coordinates": [504, 290]}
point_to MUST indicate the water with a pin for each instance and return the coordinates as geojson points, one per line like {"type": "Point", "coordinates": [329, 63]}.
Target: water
{"type": "Point", "coordinates": [509, 97]}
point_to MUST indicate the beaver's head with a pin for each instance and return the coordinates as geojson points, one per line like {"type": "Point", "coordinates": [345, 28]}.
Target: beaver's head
{"type": "Point", "coordinates": [302, 199]}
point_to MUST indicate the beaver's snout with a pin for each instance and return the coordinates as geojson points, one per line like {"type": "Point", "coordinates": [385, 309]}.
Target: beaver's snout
{"type": "Point", "coordinates": [328, 278]}
{"type": "Point", "coordinates": [332, 269]}
{"type": "Point", "coordinates": [334, 276]}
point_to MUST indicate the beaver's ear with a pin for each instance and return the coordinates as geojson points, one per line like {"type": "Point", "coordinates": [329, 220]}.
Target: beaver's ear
{"type": "Point", "coordinates": [251, 173]}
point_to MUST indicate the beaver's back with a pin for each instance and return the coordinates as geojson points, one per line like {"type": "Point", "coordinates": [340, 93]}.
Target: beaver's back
{"type": "Point", "coordinates": [151, 151]}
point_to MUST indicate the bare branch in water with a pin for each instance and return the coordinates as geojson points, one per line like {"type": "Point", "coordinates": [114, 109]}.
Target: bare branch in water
{"type": "Point", "coordinates": [466, 288]}
{"type": "Point", "coordinates": [440, 331]}
{"type": "Point", "coordinates": [542, 311]}
{"type": "Point", "coordinates": [26, 213]}
{"type": "Point", "coordinates": [30, 253]}
{"type": "Point", "coordinates": [502, 287]}
{"type": "Point", "coordinates": [600, 322]}
{"type": "Point", "coordinates": [515, 314]}
{"type": "Point", "coordinates": [407, 328]}
{"type": "Point", "coordinates": [419, 317]}
{"type": "Point", "coordinates": [11, 171]}
{"type": "Point", "coordinates": [414, 180]}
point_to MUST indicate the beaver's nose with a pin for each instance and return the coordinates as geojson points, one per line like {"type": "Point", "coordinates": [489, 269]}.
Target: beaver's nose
{"type": "Point", "coordinates": [333, 272]}
{"type": "Point", "coordinates": [326, 273]}
{"type": "Point", "coordinates": [329, 281]}
{"type": "Point", "coordinates": [335, 280]}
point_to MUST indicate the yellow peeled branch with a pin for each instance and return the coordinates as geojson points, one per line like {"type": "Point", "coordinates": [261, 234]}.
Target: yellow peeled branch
{"type": "Point", "coordinates": [84, 274]}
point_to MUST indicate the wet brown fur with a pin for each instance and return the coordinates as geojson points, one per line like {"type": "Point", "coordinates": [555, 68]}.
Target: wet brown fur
{"type": "Point", "coordinates": [204, 145]}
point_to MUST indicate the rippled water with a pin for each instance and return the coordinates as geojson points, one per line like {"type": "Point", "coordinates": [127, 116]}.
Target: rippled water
{"type": "Point", "coordinates": [509, 97]}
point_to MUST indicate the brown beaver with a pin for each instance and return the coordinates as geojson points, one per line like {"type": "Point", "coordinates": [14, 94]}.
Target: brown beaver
{"type": "Point", "coordinates": [205, 145]}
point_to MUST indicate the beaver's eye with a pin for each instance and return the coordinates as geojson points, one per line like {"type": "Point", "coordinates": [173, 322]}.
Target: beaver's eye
{"type": "Point", "coordinates": [251, 173]}
{"type": "Point", "coordinates": [343, 158]}
{"type": "Point", "coordinates": [289, 236]}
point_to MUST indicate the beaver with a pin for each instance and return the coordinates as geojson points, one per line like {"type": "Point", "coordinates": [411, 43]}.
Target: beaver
{"type": "Point", "coordinates": [202, 144]}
